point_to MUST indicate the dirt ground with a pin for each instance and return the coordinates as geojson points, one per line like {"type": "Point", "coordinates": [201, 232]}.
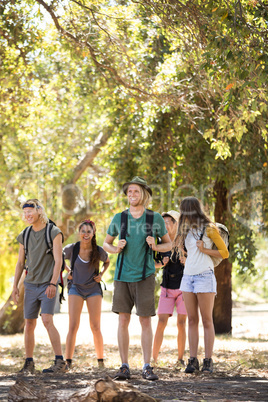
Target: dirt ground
{"type": "Point", "coordinates": [240, 372]}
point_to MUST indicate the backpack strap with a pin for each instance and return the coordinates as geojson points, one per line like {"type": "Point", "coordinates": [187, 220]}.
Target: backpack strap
{"type": "Point", "coordinates": [123, 235]}
{"type": "Point", "coordinates": [202, 233]}
{"type": "Point", "coordinates": [48, 237]}
{"type": "Point", "coordinates": [25, 237]}
{"type": "Point", "coordinates": [149, 232]}
{"type": "Point", "coordinates": [76, 250]}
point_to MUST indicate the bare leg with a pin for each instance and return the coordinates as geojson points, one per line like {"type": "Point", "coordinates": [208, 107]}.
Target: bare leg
{"type": "Point", "coordinates": [94, 310]}
{"type": "Point", "coordinates": [123, 336]}
{"type": "Point", "coordinates": [159, 334]}
{"type": "Point", "coordinates": [181, 339]}
{"type": "Point", "coordinates": [53, 333]}
{"type": "Point", "coordinates": [206, 303]}
{"type": "Point", "coordinates": [29, 328]}
{"type": "Point", "coordinates": [75, 308]}
{"type": "Point", "coordinates": [146, 338]}
{"type": "Point", "coordinates": [191, 304]}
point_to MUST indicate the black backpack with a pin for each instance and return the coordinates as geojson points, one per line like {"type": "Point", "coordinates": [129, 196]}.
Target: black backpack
{"type": "Point", "coordinates": [123, 235]}
{"type": "Point", "coordinates": [49, 243]}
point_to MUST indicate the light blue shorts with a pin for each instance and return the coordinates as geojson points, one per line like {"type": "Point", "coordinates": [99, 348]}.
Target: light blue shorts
{"type": "Point", "coordinates": [74, 291]}
{"type": "Point", "coordinates": [201, 283]}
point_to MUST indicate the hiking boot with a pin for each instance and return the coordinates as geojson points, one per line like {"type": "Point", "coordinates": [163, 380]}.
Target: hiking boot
{"type": "Point", "coordinates": [148, 374]}
{"type": "Point", "coordinates": [192, 366]}
{"type": "Point", "coordinates": [68, 366]}
{"type": "Point", "coordinates": [207, 366]}
{"type": "Point", "coordinates": [101, 364]}
{"type": "Point", "coordinates": [59, 366]}
{"type": "Point", "coordinates": [123, 373]}
{"type": "Point", "coordinates": [28, 367]}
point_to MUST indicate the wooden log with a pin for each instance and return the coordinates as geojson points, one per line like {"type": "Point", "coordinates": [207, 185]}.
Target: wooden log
{"type": "Point", "coordinates": [109, 391]}
{"type": "Point", "coordinates": [34, 388]}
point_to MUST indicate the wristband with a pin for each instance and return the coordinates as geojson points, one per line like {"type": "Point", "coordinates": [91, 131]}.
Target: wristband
{"type": "Point", "coordinates": [53, 284]}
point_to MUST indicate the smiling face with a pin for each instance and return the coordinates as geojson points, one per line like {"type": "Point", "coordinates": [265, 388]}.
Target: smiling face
{"type": "Point", "coordinates": [86, 233]}
{"type": "Point", "coordinates": [134, 195]}
{"type": "Point", "coordinates": [31, 215]}
{"type": "Point", "coordinates": [171, 225]}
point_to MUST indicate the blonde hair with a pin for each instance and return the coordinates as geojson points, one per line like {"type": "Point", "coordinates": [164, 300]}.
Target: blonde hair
{"type": "Point", "coordinates": [145, 196]}
{"type": "Point", "coordinates": [39, 207]}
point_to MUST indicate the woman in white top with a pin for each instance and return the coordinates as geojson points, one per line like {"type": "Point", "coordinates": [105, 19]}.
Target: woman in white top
{"type": "Point", "coordinates": [199, 283]}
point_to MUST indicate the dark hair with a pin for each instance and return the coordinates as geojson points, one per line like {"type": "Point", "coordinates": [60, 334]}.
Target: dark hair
{"type": "Point", "coordinates": [192, 216]}
{"type": "Point", "coordinates": [94, 255]}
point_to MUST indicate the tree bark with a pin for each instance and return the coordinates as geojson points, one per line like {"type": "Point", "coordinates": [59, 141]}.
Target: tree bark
{"type": "Point", "coordinates": [222, 314]}
{"type": "Point", "coordinates": [11, 316]}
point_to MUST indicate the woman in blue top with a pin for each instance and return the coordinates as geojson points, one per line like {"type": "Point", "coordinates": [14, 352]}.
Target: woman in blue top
{"type": "Point", "coordinates": [84, 284]}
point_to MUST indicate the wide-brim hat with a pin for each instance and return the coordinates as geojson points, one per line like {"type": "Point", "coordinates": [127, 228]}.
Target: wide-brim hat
{"type": "Point", "coordinates": [174, 214]}
{"type": "Point", "coordinates": [137, 180]}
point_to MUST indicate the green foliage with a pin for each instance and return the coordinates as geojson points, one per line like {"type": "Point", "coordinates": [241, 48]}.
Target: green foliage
{"type": "Point", "coordinates": [7, 268]}
{"type": "Point", "coordinates": [183, 87]}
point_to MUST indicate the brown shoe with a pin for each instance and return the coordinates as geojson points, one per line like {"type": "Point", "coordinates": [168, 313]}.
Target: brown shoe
{"type": "Point", "coordinates": [59, 366]}
{"type": "Point", "coordinates": [28, 367]}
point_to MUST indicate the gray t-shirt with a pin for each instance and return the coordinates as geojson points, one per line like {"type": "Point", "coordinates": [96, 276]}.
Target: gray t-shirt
{"type": "Point", "coordinates": [40, 265]}
{"type": "Point", "coordinates": [84, 272]}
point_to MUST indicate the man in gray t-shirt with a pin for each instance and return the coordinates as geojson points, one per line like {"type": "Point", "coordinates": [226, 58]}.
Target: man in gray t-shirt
{"type": "Point", "coordinates": [40, 284]}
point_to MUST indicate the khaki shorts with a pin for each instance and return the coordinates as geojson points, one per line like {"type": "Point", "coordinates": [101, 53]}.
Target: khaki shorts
{"type": "Point", "coordinates": [139, 294]}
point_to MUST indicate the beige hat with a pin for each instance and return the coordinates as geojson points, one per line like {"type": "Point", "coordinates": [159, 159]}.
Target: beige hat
{"type": "Point", "coordinates": [174, 214]}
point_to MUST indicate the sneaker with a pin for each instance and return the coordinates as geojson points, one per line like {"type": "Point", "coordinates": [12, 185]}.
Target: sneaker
{"type": "Point", "coordinates": [123, 373]}
{"type": "Point", "coordinates": [28, 367]}
{"type": "Point", "coordinates": [148, 374]}
{"type": "Point", "coordinates": [207, 366]}
{"type": "Point", "coordinates": [180, 363]}
{"type": "Point", "coordinates": [192, 366]}
{"type": "Point", "coordinates": [59, 366]}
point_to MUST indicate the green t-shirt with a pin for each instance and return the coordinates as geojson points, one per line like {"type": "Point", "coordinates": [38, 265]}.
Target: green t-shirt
{"type": "Point", "coordinates": [40, 265]}
{"type": "Point", "coordinates": [135, 249]}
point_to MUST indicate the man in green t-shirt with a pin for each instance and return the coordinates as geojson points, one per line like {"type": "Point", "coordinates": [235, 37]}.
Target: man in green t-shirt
{"type": "Point", "coordinates": [130, 287]}
{"type": "Point", "coordinates": [40, 283]}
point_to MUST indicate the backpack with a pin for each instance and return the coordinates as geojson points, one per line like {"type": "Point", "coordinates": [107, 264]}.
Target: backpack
{"type": "Point", "coordinates": [26, 234]}
{"type": "Point", "coordinates": [224, 233]}
{"type": "Point", "coordinates": [123, 234]}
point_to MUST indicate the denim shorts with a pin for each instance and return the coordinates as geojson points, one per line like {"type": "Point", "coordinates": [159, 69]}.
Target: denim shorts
{"type": "Point", "coordinates": [201, 283]}
{"type": "Point", "coordinates": [74, 291]}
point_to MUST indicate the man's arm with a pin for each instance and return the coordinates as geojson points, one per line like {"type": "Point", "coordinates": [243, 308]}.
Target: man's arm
{"type": "Point", "coordinates": [166, 244]}
{"type": "Point", "coordinates": [57, 253]}
{"type": "Point", "coordinates": [110, 248]}
{"type": "Point", "coordinates": [18, 273]}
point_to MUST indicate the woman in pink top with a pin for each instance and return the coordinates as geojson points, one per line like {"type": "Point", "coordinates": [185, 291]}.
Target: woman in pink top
{"type": "Point", "coordinates": [198, 284]}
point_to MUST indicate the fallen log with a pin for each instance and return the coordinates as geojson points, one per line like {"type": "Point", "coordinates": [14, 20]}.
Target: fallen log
{"type": "Point", "coordinates": [32, 388]}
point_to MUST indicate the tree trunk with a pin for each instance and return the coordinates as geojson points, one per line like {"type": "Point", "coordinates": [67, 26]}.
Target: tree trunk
{"type": "Point", "coordinates": [222, 314]}
{"type": "Point", "coordinates": [11, 316]}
